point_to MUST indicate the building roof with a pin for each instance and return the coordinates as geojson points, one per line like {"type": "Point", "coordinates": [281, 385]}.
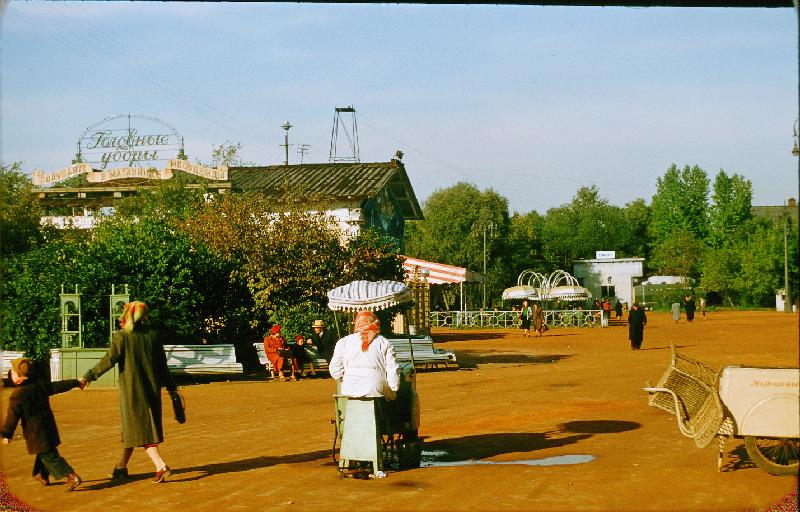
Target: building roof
{"type": "Point", "coordinates": [778, 212]}
{"type": "Point", "coordinates": [351, 182]}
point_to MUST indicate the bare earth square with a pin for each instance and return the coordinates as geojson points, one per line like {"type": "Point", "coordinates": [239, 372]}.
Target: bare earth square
{"type": "Point", "coordinates": [249, 444]}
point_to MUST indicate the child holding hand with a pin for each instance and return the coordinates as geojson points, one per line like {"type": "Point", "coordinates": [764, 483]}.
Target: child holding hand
{"type": "Point", "coordinates": [29, 403]}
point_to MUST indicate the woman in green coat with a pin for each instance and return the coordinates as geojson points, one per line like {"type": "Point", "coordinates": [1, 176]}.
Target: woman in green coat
{"type": "Point", "coordinates": [143, 371]}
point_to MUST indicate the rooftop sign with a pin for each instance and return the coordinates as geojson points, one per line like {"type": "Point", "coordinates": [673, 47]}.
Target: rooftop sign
{"type": "Point", "coordinates": [128, 140]}
{"type": "Point", "coordinates": [148, 173]}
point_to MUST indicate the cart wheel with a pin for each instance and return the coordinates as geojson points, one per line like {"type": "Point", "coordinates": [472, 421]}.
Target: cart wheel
{"type": "Point", "coordinates": [777, 456]}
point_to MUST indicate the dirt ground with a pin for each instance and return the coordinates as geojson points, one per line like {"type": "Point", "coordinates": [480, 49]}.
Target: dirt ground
{"type": "Point", "coordinates": [255, 445]}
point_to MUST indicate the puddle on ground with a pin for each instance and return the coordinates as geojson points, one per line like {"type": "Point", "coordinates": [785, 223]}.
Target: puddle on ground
{"type": "Point", "coordinates": [431, 459]}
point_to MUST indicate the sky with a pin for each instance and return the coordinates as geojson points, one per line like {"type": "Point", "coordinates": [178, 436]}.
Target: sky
{"type": "Point", "coordinates": [532, 102]}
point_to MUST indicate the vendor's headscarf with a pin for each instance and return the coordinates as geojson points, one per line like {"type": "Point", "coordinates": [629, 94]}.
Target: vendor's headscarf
{"type": "Point", "coordinates": [369, 326]}
{"type": "Point", "coordinates": [133, 314]}
{"type": "Point", "coordinates": [275, 329]}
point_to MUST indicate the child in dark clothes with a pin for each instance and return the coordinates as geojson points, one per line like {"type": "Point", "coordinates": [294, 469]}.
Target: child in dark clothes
{"type": "Point", "coordinates": [30, 403]}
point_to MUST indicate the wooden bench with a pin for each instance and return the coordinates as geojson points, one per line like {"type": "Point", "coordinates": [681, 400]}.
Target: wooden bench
{"type": "Point", "coordinates": [320, 364]}
{"type": "Point", "coordinates": [425, 355]}
{"type": "Point", "coordinates": [202, 359]}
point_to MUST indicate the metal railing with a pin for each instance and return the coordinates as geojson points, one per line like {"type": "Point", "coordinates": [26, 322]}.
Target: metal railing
{"type": "Point", "coordinates": [510, 319]}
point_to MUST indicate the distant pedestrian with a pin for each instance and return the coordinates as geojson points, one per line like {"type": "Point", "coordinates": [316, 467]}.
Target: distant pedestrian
{"type": "Point", "coordinates": [618, 309]}
{"type": "Point", "coordinates": [690, 307]}
{"type": "Point", "coordinates": [537, 319]}
{"type": "Point", "coordinates": [525, 315]}
{"type": "Point", "coordinates": [606, 307]}
{"type": "Point", "coordinates": [702, 308]}
{"type": "Point", "coordinates": [637, 319]}
{"type": "Point", "coordinates": [29, 402]}
{"type": "Point", "coordinates": [676, 311]}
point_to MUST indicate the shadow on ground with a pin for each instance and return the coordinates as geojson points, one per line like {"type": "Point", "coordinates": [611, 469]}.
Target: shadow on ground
{"type": "Point", "coordinates": [205, 470]}
{"type": "Point", "coordinates": [598, 426]}
{"type": "Point", "coordinates": [483, 446]}
{"type": "Point", "coordinates": [466, 335]}
{"type": "Point", "coordinates": [470, 359]}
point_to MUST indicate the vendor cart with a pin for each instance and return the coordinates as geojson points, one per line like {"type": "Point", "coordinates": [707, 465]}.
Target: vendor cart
{"type": "Point", "coordinates": [373, 430]}
{"type": "Point", "coordinates": [762, 405]}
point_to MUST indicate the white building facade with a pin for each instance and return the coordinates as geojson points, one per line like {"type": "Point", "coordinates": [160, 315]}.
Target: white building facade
{"type": "Point", "coordinates": [607, 276]}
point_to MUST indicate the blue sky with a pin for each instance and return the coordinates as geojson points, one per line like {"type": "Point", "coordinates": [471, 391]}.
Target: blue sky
{"type": "Point", "coordinates": [530, 101]}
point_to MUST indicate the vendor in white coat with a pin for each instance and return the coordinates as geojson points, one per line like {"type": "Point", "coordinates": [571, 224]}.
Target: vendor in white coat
{"type": "Point", "coordinates": [365, 362]}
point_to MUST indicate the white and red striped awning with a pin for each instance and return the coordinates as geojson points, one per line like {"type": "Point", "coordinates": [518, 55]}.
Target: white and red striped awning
{"type": "Point", "coordinates": [439, 273]}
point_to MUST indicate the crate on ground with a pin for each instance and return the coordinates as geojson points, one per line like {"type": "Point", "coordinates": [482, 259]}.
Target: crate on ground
{"type": "Point", "coordinates": [202, 359]}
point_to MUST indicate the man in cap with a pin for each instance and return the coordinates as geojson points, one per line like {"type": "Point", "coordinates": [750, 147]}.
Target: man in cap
{"type": "Point", "coordinates": [323, 339]}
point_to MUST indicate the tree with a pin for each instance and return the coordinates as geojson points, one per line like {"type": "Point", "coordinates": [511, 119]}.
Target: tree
{"type": "Point", "coordinates": [762, 260]}
{"type": "Point", "coordinates": [30, 305]}
{"type": "Point", "coordinates": [733, 197]}
{"type": "Point", "coordinates": [719, 269]}
{"type": "Point", "coordinates": [456, 220]}
{"type": "Point", "coordinates": [585, 225]}
{"type": "Point", "coordinates": [227, 153]}
{"type": "Point", "coordinates": [524, 247]}
{"type": "Point", "coordinates": [678, 254]}
{"type": "Point", "coordinates": [637, 217]}
{"type": "Point", "coordinates": [20, 212]}
{"type": "Point", "coordinates": [680, 203]}
{"type": "Point", "coordinates": [372, 256]}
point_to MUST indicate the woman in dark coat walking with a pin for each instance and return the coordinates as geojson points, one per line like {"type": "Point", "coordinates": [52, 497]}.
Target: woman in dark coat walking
{"type": "Point", "coordinates": [637, 319]}
{"type": "Point", "coordinates": [143, 371]}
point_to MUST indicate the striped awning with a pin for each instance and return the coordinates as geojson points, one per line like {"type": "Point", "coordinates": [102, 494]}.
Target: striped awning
{"type": "Point", "coordinates": [439, 273]}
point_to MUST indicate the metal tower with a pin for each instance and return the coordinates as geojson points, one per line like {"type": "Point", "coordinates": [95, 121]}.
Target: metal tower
{"type": "Point", "coordinates": [349, 153]}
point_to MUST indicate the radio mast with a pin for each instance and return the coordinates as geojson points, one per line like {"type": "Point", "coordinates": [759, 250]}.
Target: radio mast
{"type": "Point", "coordinates": [347, 125]}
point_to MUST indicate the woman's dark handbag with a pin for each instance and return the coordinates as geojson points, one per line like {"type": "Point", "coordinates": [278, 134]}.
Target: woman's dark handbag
{"type": "Point", "coordinates": [178, 406]}
{"type": "Point", "coordinates": [285, 352]}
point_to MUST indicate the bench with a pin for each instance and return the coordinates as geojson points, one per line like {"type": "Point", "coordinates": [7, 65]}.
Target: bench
{"type": "Point", "coordinates": [320, 364]}
{"type": "Point", "coordinates": [202, 359]}
{"type": "Point", "coordinates": [5, 364]}
{"type": "Point", "coordinates": [425, 355]}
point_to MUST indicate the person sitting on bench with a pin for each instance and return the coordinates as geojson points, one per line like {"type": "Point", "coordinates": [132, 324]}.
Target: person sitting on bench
{"type": "Point", "coordinates": [276, 350]}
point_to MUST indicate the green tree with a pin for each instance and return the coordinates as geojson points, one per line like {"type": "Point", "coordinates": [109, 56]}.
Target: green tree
{"type": "Point", "coordinates": [372, 256]}
{"type": "Point", "coordinates": [524, 247]}
{"type": "Point", "coordinates": [720, 268]}
{"type": "Point", "coordinates": [733, 197]}
{"type": "Point", "coordinates": [762, 262]}
{"type": "Point", "coordinates": [678, 254]}
{"type": "Point", "coordinates": [585, 225]}
{"type": "Point", "coordinates": [20, 212]}
{"type": "Point", "coordinates": [637, 217]}
{"type": "Point", "coordinates": [680, 203]}
{"type": "Point", "coordinates": [30, 305]}
{"type": "Point", "coordinates": [456, 220]}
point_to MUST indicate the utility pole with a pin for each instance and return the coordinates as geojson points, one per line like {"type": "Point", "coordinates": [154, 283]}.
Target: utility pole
{"type": "Point", "coordinates": [787, 296]}
{"type": "Point", "coordinates": [303, 149]}
{"type": "Point", "coordinates": [285, 144]}
{"type": "Point", "coordinates": [490, 227]}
